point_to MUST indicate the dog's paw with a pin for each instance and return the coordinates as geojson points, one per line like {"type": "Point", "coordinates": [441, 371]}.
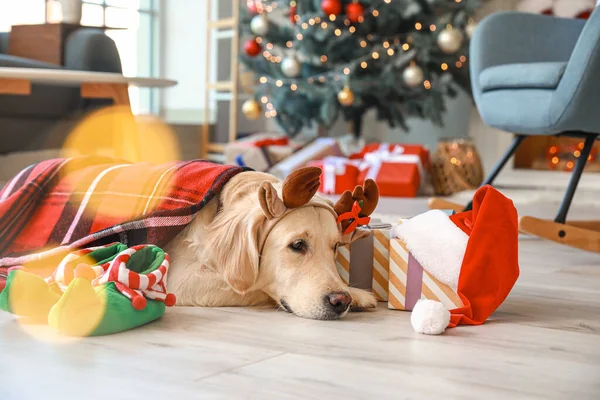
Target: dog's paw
{"type": "Point", "coordinates": [361, 299]}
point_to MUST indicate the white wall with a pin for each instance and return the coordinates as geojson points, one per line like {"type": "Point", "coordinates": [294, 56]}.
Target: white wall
{"type": "Point", "coordinates": [183, 59]}
{"type": "Point", "coordinates": [456, 124]}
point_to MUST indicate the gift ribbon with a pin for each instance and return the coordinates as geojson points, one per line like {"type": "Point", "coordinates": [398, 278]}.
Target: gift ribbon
{"type": "Point", "coordinates": [239, 161]}
{"type": "Point", "coordinates": [284, 141]}
{"type": "Point", "coordinates": [355, 217]}
{"type": "Point", "coordinates": [263, 146]}
{"type": "Point", "coordinates": [374, 161]}
{"type": "Point", "coordinates": [332, 167]}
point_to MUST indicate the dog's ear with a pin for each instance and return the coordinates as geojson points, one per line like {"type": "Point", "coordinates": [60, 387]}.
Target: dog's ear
{"type": "Point", "coordinates": [270, 202]}
{"type": "Point", "coordinates": [355, 235]}
{"type": "Point", "coordinates": [232, 245]}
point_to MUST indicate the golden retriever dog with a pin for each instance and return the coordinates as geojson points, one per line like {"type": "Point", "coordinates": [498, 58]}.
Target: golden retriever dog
{"type": "Point", "coordinates": [266, 242]}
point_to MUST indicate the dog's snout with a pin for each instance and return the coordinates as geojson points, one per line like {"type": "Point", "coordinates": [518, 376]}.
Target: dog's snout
{"type": "Point", "coordinates": [338, 301]}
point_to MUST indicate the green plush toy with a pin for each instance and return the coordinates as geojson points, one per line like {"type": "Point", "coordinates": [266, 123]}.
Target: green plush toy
{"type": "Point", "coordinates": [95, 291]}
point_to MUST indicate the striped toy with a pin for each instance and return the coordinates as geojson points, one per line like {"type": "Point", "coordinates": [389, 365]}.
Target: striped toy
{"type": "Point", "coordinates": [133, 285]}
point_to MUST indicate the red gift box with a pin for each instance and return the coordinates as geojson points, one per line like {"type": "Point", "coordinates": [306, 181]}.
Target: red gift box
{"type": "Point", "coordinates": [419, 150]}
{"type": "Point", "coordinates": [397, 169]}
{"type": "Point", "coordinates": [339, 174]}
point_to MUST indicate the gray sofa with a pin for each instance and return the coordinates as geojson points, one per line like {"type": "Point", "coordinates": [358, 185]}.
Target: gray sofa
{"type": "Point", "coordinates": [43, 119]}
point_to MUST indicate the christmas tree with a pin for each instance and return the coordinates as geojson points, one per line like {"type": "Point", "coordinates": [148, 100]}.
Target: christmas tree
{"type": "Point", "coordinates": [319, 60]}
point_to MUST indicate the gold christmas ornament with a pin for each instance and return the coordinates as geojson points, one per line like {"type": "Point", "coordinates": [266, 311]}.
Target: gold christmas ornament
{"type": "Point", "coordinates": [470, 28]}
{"type": "Point", "coordinates": [346, 96]}
{"type": "Point", "coordinates": [449, 40]}
{"type": "Point", "coordinates": [251, 109]}
{"type": "Point", "coordinates": [413, 76]}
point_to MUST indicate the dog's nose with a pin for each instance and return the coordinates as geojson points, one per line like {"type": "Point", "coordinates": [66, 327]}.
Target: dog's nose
{"type": "Point", "coordinates": [338, 301]}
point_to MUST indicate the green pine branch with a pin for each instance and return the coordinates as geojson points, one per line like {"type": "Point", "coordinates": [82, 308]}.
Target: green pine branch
{"type": "Point", "coordinates": [379, 86]}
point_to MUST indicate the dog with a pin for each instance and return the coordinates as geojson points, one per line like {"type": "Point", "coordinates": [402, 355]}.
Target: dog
{"type": "Point", "coordinates": [263, 241]}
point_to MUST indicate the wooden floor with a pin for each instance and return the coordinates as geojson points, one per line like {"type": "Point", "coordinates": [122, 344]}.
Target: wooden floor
{"type": "Point", "coordinates": [543, 343]}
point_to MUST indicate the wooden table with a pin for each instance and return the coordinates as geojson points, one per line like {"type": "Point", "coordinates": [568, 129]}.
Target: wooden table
{"type": "Point", "coordinates": [93, 85]}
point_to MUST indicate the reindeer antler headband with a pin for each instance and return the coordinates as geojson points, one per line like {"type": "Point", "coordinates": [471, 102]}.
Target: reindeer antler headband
{"type": "Point", "coordinates": [298, 190]}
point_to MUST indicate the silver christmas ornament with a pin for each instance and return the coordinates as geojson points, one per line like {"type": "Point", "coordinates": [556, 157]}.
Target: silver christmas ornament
{"type": "Point", "coordinates": [290, 67]}
{"type": "Point", "coordinates": [413, 76]}
{"type": "Point", "coordinates": [259, 25]}
{"type": "Point", "coordinates": [450, 40]}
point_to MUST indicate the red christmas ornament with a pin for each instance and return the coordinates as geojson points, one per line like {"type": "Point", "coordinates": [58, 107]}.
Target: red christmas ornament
{"type": "Point", "coordinates": [293, 14]}
{"type": "Point", "coordinates": [252, 48]}
{"type": "Point", "coordinates": [355, 12]}
{"type": "Point", "coordinates": [585, 14]}
{"type": "Point", "coordinates": [252, 9]}
{"type": "Point", "coordinates": [331, 7]}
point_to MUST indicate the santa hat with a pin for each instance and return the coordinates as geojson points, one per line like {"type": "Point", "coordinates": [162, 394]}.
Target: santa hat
{"type": "Point", "coordinates": [574, 8]}
{"type": "Point", "coordinates": [474, 253]}
{"type": "Point", "coordinates": [536, 6]}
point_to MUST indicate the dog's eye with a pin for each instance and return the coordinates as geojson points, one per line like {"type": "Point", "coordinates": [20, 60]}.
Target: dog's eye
{"type": "Point", "coordinates": [298, 246]}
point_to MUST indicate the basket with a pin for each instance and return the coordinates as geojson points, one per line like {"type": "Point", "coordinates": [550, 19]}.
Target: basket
{"type": "Point", "coordinates": [455, 167]}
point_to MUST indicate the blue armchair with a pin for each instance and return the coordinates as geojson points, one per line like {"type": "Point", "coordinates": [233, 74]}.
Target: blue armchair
{"type": "Point", "coordinates": [540, 75]}
{"type": "Point", "coordinates": [43, 119]}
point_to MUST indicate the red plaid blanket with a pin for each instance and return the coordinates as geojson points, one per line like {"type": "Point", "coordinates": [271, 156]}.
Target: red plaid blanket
{"type": "Point", "coordinates": [60, 205]}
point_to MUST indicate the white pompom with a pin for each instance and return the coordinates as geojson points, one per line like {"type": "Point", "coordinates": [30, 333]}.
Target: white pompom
{"type": "Point", "coordinates": [429, 317]}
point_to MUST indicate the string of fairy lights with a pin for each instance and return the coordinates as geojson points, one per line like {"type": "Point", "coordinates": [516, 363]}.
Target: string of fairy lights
{"type": "Point", "coordinates": [304, 23]}
{"type": "Point", "coordinates": [449, 40]}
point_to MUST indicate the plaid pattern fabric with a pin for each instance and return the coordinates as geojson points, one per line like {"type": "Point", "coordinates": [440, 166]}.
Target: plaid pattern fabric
{"type": "Point", "coordinates": [61, 205]}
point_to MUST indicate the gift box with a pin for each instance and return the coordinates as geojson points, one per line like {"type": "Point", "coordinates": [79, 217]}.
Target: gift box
{"type": "Point", "coordinates": [409, 282]}
{"type": "Point", "coordinates": [339, 174]}
{"type": "Point", "coordinates": [260, 151]}
{"type": "Point", "coordinates": [364, 264]}
{"type": "Point", "coordinates": [415, 149]}
{"type": "Point", "coordinates": [397, 173]}
{"type": "Point", "coordinates": [316, 150]}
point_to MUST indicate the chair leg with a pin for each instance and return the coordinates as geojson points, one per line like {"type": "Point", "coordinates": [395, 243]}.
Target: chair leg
{"type": "Point", "coordinates": [561, 217]}
{"type": "Point", "coordinates": [500, 164]}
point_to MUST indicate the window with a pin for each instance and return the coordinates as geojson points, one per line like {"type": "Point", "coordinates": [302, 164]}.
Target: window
{"type": "Point", "coordinates": [134, 26]}
{"type": "Point", "coordinates": [21, 12]}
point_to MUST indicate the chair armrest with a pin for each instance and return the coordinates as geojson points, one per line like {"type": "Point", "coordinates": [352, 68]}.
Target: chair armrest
{"type": "Point", "coordinates": [513, 37]}
{"type": "Point", "coordinates": [91, 50]}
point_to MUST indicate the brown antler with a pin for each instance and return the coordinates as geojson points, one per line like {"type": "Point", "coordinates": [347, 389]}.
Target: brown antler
{"type": "Point", "coordinates": [368, 194]}
{"type": "Point", "coordinates": [344, 204]}
{"type": "Point", "coordinates": [300, 186]}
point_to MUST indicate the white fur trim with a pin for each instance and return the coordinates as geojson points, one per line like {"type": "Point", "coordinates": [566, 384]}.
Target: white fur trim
{"type": "Point", "coordinates": [438, 244]}
{"type": "Point", "coordinates": [429, 317]}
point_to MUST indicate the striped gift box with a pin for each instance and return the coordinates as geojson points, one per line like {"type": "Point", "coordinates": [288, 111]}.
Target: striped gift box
{"type": "Point", "coordinates": [364, 264]}
{"type": "Point", "coordinates": [409, 282]}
